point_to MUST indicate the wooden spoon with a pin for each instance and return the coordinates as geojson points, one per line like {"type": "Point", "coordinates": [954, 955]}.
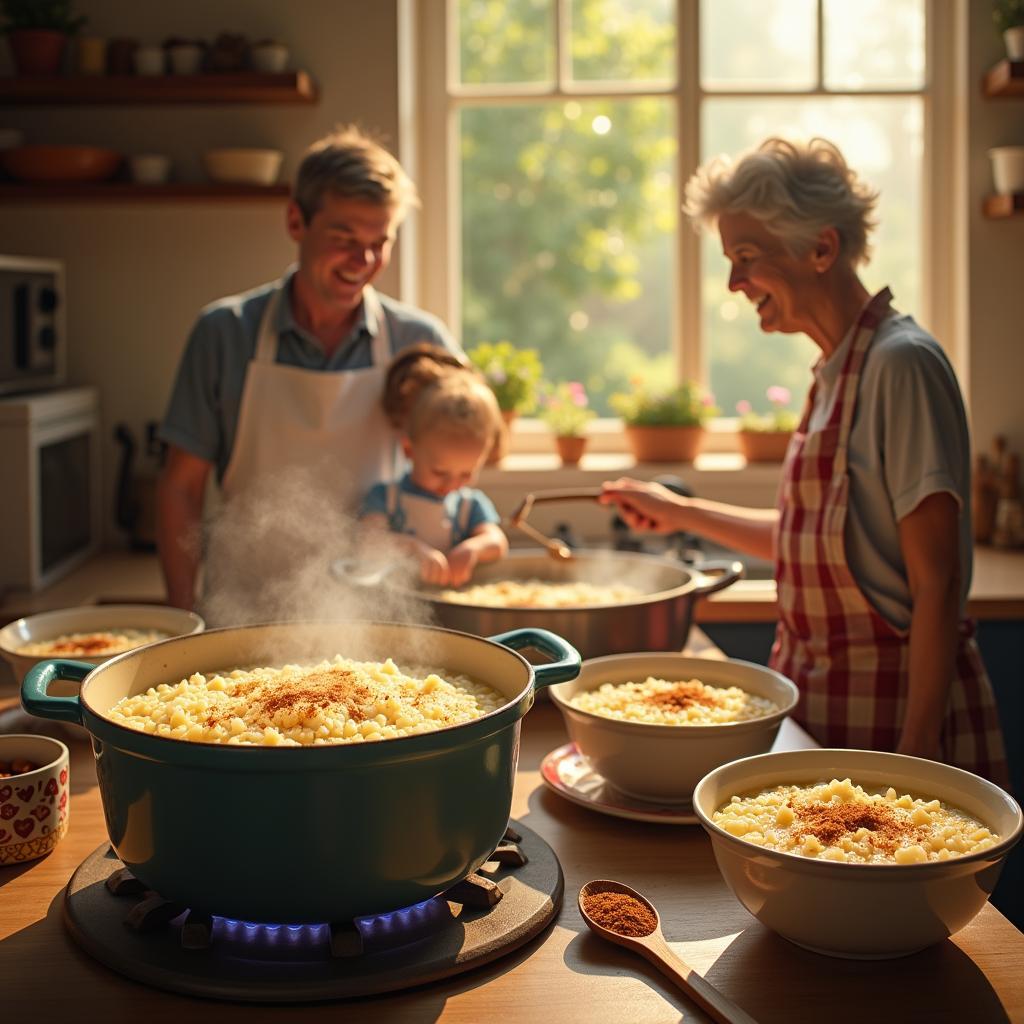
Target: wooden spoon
{"type": "Point", "coordinates": [558, 550]}
{"type": "Point", "coordinates": [654, 947]}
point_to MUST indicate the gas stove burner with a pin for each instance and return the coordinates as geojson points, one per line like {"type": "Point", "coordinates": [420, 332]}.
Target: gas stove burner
{"type": "Point", "coordinates": [509, 901]}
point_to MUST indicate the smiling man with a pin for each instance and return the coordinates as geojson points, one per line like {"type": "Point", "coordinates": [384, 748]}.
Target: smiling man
{"type": "Point", "coordinates": [291, 373]}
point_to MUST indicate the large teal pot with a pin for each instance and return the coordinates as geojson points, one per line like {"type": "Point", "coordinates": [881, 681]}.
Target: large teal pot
{"type": "Point", "coordinates": [305, 834]}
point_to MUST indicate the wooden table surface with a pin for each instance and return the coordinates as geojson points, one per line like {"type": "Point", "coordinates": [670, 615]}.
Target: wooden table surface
{"type": "Point", "coordinates": [566, 974]}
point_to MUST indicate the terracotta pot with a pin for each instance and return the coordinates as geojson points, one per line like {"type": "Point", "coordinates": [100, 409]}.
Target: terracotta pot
{"type": "Point", "coordinates": [494, 458]}
{"type": "Point", "coordinates": [764, 445]}
{"type": "Point", "coordinates": [570, 449]}
{"type": "Point", "coordinates": [37, 51]}
{"type": "Point", "coordinates": [664, 444]}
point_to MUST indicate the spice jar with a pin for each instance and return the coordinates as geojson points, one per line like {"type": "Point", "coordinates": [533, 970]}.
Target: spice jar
{"type": "Point", "coordinates": [121, 56]}
{"type": "Point", "coordinates": [92, 55]}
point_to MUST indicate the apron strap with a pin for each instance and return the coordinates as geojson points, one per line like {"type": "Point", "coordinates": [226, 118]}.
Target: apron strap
{"type": "Point", "coordinates": [266, 339]}
{"type": "Point", "coordinates": [463, 511]}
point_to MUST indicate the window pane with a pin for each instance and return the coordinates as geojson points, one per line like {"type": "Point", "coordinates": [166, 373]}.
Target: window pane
{"type": "Point", "coordinates": [874, 44]}
{"type": "Point", "coordinates": [758, 44]}
{"type": "Point", "coordinates": [506, 41]}
{"type": "Point", "coordinates": [568, 216]}
{"type": "Point", "coordinates": [619, 40]}
{"type": "Point", "coordinates": [882, 140]}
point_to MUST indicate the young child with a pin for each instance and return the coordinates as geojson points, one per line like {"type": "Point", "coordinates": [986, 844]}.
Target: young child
{"type": "Point", "coordinates": [449, 420]}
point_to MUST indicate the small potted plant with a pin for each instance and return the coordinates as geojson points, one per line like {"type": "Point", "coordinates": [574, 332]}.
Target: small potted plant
{"type": "Point", "coordinates": [513, 374]}
{"type": "Point", "coordinates": [1008, 16]}
{"type": "Point", "coordinates": [664, 425]}
{"type": "Point", "coordinates": [38, 31]}
{"type": "Point", "coordinates": [566, 410]}
{"type": "Point", "coordinates": [764, 437]}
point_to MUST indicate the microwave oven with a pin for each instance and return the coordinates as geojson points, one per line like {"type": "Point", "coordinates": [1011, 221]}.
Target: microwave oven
{"type": "Point", "coordinates": [49, 465]}
{"type": "Point", "coordinates": [33, 350]}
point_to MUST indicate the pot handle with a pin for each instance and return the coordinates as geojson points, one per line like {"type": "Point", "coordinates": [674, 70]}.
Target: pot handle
{"type": "Point", "coordinates": [567, 659]}
{"type": "Point", "coordinates": [38, 702]}
{"type": "Point", "coordinates": [713, 576]}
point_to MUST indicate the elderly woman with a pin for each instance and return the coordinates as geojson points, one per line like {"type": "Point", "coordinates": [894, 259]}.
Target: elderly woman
{"type": "Point", "coordinates": [871, 538]}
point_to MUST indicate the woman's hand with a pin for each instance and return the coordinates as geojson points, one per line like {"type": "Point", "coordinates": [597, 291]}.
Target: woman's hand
{"type": "Point", "coordinates": [645, 506]}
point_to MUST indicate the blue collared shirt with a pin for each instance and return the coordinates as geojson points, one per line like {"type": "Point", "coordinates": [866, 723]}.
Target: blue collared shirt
{"type": "Point", "coordinates": [202, 415]}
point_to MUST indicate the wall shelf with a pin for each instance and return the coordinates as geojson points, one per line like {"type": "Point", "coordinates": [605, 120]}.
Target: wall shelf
{"type": "Point", "coordinates": [126, 191]}
{"type": "Point", "coordinates": [1005, 79]}
{"type": "Point", "coordinates": [1004, 205]}
{"type": "Point", "coordinates": [129, 90]}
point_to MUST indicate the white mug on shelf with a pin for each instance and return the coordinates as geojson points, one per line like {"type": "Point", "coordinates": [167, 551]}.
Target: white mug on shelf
{"type": "Point", "coordinates": [1007, 169]}
{"type": "Point", "coordinates": [150, 168]}
{"type": "Point", "coordinates": [186, 58]}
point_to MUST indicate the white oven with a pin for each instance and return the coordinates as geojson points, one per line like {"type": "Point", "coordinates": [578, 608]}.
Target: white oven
{"type": "Point", "coordinates": [32, 324]}
{"type": "Point", "coordinates": [50, 473]}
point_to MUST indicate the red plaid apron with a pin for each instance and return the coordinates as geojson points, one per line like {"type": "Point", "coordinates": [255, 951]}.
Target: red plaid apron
{"type": "Point", "coordinates": [848, 662]}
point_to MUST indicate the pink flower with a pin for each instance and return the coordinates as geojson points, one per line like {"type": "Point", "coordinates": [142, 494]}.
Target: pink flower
{"type": "Point", "coordinates": [708, 400]}
{"type": "Point", "coordinates": [778, 395]}
{"type": "Point", "coordinates": [743, 407]}
{"type": "Point", "coordinates": [577, 393]}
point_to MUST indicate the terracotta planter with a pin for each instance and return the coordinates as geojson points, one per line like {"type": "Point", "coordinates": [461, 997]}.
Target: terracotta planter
{"type": "Point", "coordinates": [570, 449]}
{"type": "Point", "coordinates": [494, 458]}
{"type": "Point", "coordinates": [37, 51]}
{"type": "Point", "coordinates": [664, 444]}
{"type": "Point", "coordinates": [764, 445]}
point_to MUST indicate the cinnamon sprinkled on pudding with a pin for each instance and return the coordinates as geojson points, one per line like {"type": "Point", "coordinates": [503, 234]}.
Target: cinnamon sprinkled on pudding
{"type": "Point", "coordinates": [841, 821]}
{"type": "Point", "coordinates": [673, 702]}
{"type": "Point", "coordinates": [338, 701]}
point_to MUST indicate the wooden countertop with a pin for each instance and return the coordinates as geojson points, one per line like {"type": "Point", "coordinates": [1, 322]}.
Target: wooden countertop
{"type": "Point", "coordinates": [997, 589]}
{"type": "Point", "coordinates": [566, 974]}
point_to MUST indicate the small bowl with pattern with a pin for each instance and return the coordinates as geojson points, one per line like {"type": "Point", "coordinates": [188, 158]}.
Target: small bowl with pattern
{"type": "Point", "coordinates": [654, 724]}
{"type": "Point", "coordinates": [859, 854]}
{"type": "Point", "coordinates": [34, 796]}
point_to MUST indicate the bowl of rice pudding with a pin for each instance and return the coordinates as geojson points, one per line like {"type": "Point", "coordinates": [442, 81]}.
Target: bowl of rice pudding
{"type": "Point", "coordinates": [857, 853]}
{"type": "Point", "coordinates": [654, 724]}
{"type": "Point", "coordinates": [92, 633]}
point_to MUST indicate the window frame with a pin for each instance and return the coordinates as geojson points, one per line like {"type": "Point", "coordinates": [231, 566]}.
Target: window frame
{"type": "Point", "coordinates": [430, 100]}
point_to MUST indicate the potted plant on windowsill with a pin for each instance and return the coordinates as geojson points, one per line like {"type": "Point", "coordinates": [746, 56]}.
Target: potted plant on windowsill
{"type": "Point", "coordinates": [38, 31]}
{"type": "Point", "coordinates": [664, 425]}
{"type": "Point", "coordinates": [765, 437]}
{"type": "Point", "coordinates": [1009, 18]}
{"type": "Point", "coordinates": [513, 374]}
{"type": "Point", "coordinates": [566, 410]}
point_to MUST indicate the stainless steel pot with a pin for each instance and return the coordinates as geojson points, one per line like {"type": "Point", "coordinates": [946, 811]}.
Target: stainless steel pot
{"type": "Point", "coordinates": [659, 620]}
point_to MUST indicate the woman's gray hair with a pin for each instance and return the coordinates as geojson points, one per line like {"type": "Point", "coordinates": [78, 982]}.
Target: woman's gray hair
{"type": "Point", "coordinates": [351, 164]}
{"type": "Point", "coordinates": [795, 189]}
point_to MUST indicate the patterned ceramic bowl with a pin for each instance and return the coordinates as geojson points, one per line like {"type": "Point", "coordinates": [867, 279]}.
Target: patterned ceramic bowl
{"type": "Point", "coordinates": [34, 805]}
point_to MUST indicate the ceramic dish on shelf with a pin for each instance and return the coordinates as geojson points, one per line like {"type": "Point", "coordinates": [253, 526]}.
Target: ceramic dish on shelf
{"type": "Point", "coordinates": [566, 771]}
{"type": "Point", "coordinates": [243, 166]}
{"type": "Point", "coordinates": [60, 163]}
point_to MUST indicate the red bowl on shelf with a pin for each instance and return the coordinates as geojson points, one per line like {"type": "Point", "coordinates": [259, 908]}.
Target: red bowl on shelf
{"type": "Point", "coordinates": [60, 163]}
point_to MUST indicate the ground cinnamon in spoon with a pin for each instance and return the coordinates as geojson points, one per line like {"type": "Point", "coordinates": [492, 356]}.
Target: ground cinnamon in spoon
{"type": "Point", "coordinates": [620, 913]}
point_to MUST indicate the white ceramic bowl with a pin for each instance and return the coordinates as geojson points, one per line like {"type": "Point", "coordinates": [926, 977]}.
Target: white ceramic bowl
{"type": "Point", "coordinates": [243, 166]}
{"type": "Point", "coordinates": [270, 57]}
{"type": "Point", "coordinates": [34, 806]}
{"type": "Point", "coordinates": [89, 619]}
{"type": "Point", "coordinates": [859, 911]}
{"type": "Point", "coordinates": [665, 762]}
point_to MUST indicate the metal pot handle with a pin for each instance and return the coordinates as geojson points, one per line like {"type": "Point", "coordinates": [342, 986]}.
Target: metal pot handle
{"type": "Point", "coordinates": [38, 702]}
{"type": "Point", "coordinates": [715, 575]}
{"type": "Point", "coordinates": [567, 663]}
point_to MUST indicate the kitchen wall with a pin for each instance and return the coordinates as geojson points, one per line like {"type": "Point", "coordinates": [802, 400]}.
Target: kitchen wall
{"type": "Point", "coordinates": [139, 272]}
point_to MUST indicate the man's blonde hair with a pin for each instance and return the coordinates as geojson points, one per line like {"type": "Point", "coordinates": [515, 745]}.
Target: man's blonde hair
{"type": "Point", "coordinates": [796, 189]}
{"type": "Point", "coordinates": [349, 163]}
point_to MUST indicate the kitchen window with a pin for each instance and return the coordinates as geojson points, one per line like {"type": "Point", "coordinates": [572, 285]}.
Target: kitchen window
{"type": "Point", "coordinates": [555, 136]}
